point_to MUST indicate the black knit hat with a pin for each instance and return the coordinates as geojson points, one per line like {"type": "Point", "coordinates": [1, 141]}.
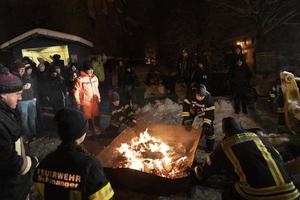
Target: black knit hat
{"type": "Point", "coordinates": [115, 97]}
{"type": "Point", "coordinates": [71, 124]}
{"type": "Point", "coordinates": [9, 83]}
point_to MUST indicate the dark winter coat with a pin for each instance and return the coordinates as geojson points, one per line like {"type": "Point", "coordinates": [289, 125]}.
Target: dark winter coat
{"type": "Point", "coordinates": [184, 68]}
{"type": "Point", "coordinates": [57, 92]}
{"type": "Point", "coordinates": [15, 166]}
{"type": "Point", "coordinates": [57, 88]}
{"type": "Point", "coordinates": [30, 93]}
{"type": "Point", "coordinates": [69, 78]}
{"type": "Point", "coordinates": [231, 61]}
{"type": "Point", "coordinates": [239, 78]}
{"type": "Point", "coordinates": [42, 83]}
{"type": "Point", "coordinates": [199, 76]}
{"type": "Point", "coordinates": [130, 78]}
{"type": "Point", "coordinates": [154, 77]}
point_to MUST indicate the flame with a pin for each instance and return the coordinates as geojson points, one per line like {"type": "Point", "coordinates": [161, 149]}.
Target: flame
{"type": "Point", "coordinates": [149, 154]}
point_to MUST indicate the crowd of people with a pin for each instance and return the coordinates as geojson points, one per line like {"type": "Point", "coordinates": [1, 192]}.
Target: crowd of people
{"type": "Point", "coordinates": [75, 93]}
{"type": "Point", "coordinates": [55, 86]}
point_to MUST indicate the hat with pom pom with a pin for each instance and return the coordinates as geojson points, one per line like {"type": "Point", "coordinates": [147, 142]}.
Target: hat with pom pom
{"type": "Point", "coordinates": [9, 83]}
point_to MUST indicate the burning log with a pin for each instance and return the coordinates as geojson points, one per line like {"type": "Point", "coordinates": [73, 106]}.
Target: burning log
{"type": "Point", "coordinates": [158, 162]}
{"type": "Point", "coordinates": [164, 150]}
{"type": "Point", "coordinates": [149, 154]}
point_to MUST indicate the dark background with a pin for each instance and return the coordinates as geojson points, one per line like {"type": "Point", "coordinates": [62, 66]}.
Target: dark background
{"type": "Point", "coordinates": [131, 28]}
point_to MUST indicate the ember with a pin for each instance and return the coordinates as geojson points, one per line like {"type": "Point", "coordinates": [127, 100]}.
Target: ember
{"type": "Point", "coordinates": [151, 155]}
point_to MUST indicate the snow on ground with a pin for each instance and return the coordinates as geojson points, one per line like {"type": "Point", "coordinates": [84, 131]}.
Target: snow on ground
{"type": "Point", "coordinates": [169, 112]}
{"type": "Point", "coordinates": [161, 111]}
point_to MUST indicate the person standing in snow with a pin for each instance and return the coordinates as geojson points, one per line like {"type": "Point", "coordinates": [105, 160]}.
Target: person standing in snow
{"type": "Point", "coordinates": [87, 96]}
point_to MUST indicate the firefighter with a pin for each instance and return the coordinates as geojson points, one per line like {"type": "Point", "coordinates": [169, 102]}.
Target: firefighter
{"type": "Point", "coordinates": [122, 116]}
{"type": "Point", "coordinates": [256, 166]}
{"type": "Point", "coordinates": [16, 164]}
{"type": "Point", "coordinates": [70, 172]}
{"type": "Point", "coordinates": [200, 103]}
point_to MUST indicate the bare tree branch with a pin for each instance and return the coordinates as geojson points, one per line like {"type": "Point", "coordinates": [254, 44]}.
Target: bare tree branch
{"type": "Point", "coordinates": [251, 7]}
{"type": "Point", "coordinates": [267, 14]}
{"type": "Point", "coordinates": [282, 20]}
{"type": "Point", "coordinates": [272, 13]}
{"type": "Point", "coordinates": [225, 4]}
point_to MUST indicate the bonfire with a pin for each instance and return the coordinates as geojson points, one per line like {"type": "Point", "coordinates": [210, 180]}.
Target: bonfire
{"type": "Point", "coordinates": [151, 155]}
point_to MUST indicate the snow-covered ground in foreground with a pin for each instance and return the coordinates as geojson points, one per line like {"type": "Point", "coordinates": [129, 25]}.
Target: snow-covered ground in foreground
{"type": "Point", "coordinates": [169, 112]}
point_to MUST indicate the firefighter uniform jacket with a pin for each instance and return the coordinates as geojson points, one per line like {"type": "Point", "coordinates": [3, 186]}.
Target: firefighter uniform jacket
{"type": "Point", "coordinates": [16, 165]}
{"type": "Point", "coordinates": [257, 166]}
{"type": "Point", "coordinates": [205, 108]}
{"type": "Point", "coordinates": [122, 114]}
{"type": "Point", "coordinates": [70, 173]}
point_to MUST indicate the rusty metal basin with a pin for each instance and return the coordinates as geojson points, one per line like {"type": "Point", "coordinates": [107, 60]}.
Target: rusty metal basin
{"type": "Point", "coordinates": [138, 181]}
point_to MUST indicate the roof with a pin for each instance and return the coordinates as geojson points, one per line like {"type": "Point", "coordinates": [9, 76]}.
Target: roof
{"type": "Point", "coordinates": [47, 33]}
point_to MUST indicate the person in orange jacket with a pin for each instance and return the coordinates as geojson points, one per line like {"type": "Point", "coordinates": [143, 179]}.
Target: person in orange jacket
{"type": "Point", "coordinates": [87, 95]}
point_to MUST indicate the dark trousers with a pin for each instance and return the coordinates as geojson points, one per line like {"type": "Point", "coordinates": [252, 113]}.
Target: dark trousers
{"type": "Point", "coordinates": [238, 100]}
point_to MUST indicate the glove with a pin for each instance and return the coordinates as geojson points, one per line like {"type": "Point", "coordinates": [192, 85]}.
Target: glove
{"type": "Point", "coordinates": [188, 125]}
{"type": "Point", "coordinates": [131, 123]}
{"type": "Point", "coordinates": [206, 128]}
{"type": "Point", "coordinates": [34, 162]}
{"type": "Point", "coordinates": [198, 172]}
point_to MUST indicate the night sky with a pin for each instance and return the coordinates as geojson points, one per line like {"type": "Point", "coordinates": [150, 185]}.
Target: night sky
{"type": "Point", "coordinates": [129, 28]}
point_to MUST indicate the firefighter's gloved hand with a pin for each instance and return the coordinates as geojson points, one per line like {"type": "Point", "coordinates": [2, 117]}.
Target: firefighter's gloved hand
{"type": "Point", "coordinates": [34, 162]}
{"type": "Point", "coordinates": [189, 171]}
{"type": "Point", "coordinates": [192, 112]}
{"type": "Point", "coordinates": [188, 125]}
{"type": "Point", "coordinates": [198, 172]}
{"type": "Point", "coordinates": [131, 123]}
{"type": "Point", "coordinates": [206, 128]}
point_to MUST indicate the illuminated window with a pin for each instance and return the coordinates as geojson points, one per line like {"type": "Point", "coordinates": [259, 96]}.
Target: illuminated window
{"type": "Point", "coordinates": [46, 52]}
